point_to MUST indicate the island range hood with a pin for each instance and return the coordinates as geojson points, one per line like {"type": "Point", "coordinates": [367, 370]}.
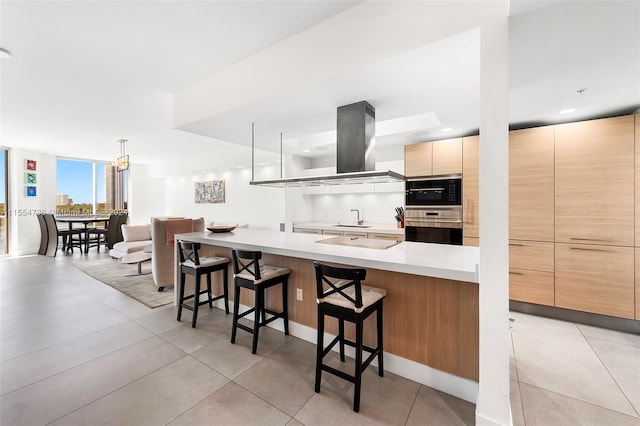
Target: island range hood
{"type": "Point", "coordinates": [355, 153]}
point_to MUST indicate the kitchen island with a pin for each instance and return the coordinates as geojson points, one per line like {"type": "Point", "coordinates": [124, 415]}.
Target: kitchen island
{"type": "Point", "coordinates": [431, 308]}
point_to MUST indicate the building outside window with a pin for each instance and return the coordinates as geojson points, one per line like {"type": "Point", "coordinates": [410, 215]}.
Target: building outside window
{"type": "Point", "coordinates": [86, 187]}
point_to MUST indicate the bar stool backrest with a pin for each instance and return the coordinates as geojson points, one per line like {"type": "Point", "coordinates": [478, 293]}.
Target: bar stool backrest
{"type": "Point", "coordinates": [338, 281]}
{"type": "Point", "coordinates": [189, 251]}
{"type": "Point", "coordinates": [247, 261]}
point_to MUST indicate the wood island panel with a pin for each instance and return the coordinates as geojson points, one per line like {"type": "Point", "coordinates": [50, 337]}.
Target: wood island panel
{"type": "Point", "coordinates": [427, 320]}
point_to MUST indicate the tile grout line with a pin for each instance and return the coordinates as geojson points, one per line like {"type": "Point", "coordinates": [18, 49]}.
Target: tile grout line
{"type": "Point", "coordinates": [413, 404]}
{"type": "Point", "coordinates": [75, 366]}
{"type": "Point", "coordinates": [120, 388]}
{"type": "Point", "coordinates": [609, 372]}
{"type": "Point", "coordinates": [515, 362]}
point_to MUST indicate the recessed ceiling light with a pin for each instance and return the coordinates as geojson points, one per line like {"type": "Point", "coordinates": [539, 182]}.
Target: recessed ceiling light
{"type": "Point", "coordinates": [447, 129]}
{"type": "Point", "coordinates": [567, 110]}
{"type": "Point", "coordinates": [4, 53]}
{"type": "Point", "coordinates": [306, 150]}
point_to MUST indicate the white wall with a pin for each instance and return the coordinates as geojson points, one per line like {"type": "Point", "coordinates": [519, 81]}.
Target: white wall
{"type": "Point", "coordinates": [24, 230]}
{"type": "Point", "coordinates": [260, 207]}
{"type": "Point", "coordinates": [376, 203]}
{"type": "Point", "coordinates": [146, 195]}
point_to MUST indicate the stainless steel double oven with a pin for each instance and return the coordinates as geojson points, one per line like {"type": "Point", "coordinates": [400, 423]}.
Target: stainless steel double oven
{"type": "Point", "coordinates": [433, 209]}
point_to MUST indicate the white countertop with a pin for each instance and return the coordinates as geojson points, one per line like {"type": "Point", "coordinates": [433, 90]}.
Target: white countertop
{"type": "Point", "coordinates": [378, 228]}
{"type": "Point", "coordinates": [434, 260]}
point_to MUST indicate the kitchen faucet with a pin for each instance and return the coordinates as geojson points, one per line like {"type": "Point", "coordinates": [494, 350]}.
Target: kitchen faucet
{"type": "Point", "coordinates": [358, 217]}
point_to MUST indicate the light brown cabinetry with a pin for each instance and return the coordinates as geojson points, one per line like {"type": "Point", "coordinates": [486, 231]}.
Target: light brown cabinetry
{"type": "Point", "coordinates": [531, 184]}
{"type": "Point", "coordinates": [595, 278]}
{"type": "Point", "coordinates": [531, 277]}
{"type": "Point", "coordinates": [470, 241]}
{"type": "Point", "coordinates": [637, 280]}
{"type": "Point", "coordinates": [637, 171]}
{"type": "Point", "coordinates": [471, 188]}
{"type": "Point", "coordinates": [433, 158]}
{"type": "Point", "coordinates": [594, 182]}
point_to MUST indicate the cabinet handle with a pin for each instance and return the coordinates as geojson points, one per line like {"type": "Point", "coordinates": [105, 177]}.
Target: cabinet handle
{"type": "Point", "coordinates": [515, 273]}
{"type": "Point", "coordinates": [516, 244]}
{"type": "Point", "coordinates": [466, 210]}
{"type": "Point", "coordinates": [591, 239]}
{"type": "Point", "coordinates": [591, 249]}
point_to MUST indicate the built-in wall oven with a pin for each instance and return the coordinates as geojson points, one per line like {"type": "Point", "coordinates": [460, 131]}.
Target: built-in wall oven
{"type": "Point", "coordinates": [433, 210]}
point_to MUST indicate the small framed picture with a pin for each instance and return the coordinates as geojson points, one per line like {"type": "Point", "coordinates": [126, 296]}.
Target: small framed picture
{"type": "Point", "coordinates": [30, 191]}
{"type": "Point", "coordinates": [30, 165]}
{"type": "Point", "coordinates": [30, 178]}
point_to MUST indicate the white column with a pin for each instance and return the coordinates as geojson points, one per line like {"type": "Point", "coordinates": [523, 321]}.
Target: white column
{"type": "Point", "coordinates": [493, 406]}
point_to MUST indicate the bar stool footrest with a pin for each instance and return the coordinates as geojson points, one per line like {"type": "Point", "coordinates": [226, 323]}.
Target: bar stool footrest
{"type": "Point", "coordinates": [339, 373]}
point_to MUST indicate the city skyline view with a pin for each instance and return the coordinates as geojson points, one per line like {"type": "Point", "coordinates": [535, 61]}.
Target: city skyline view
{"type": "Point", "coordinates": [75, 178]}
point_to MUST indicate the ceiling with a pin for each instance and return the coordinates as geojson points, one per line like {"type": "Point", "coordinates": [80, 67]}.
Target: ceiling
{"type": "Point", "coordinates": [84, 74]}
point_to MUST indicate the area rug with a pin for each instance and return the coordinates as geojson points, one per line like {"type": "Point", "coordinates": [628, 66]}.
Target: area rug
{"type": "Point", "coordinates": [140, 287]}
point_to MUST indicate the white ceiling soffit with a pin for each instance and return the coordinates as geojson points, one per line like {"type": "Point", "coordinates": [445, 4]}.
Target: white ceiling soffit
{"type": "Point", "coordinates": [87, 73]}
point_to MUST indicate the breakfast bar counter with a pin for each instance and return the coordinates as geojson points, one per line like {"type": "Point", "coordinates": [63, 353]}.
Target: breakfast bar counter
{"type": "Point", "coordinates": [431, 307]}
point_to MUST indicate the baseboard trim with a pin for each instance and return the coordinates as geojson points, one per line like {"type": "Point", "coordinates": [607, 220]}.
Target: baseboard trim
{"type": "Point", "coordinates": [445, 382]}
{"type": "Point", "coordinates": [604, 321]}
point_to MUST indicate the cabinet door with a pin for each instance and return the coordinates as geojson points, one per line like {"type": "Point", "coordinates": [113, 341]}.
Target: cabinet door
{"type": "Point", "coordinates": [531, 188]}
{"type": "Point", "coordinates": [470, 241]}
{"type": "Point", "coordinates": [355, 234]}
{"type": "Point", "coordinates": [394, 237]}
{"type": "Point", "coordinates": [531, 286]}
{"type": "Point", "coordinates": [418, 160]}
{"type": "Point", "coordinates": [470, 187]}
{"type": "Point", "coordinates": [637, 137]}
{"type": "Point", "coordinates": [595, 278]}
{"type": "Point", "coordinates": [327, 232]}
{"type": "Point", "coordinates": [594, 182]}
{"type": "Point", "coordinates": [447, 156]}
{"type": "Point", "coordinates": [307, 231]}
{"type": "Point", "coordinates": [531, 255]}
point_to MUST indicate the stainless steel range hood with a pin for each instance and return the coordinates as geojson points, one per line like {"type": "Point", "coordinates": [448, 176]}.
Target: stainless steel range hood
{"type": "Point", "coordinates": [355, 153]}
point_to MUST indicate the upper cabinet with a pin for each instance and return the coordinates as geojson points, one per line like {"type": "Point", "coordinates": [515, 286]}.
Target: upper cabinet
{"type": "Point", "coordinates": [531, 188]}
{"type": "Point", "coordinates": [470, 188]}
{"type": "Point", "coordinates": [433, 158]}
{"type": "Point", "coordinates": [594, 182]}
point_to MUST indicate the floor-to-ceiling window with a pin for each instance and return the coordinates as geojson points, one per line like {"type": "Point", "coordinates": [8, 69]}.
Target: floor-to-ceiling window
{"type": "Point", "coordinates": [4, 232]}
{"type": "Point", "coordinates": [86, 187]}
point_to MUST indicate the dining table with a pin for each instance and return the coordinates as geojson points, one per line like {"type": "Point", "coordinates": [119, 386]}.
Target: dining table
{"type": "Point", "coordinates": [85, 221]}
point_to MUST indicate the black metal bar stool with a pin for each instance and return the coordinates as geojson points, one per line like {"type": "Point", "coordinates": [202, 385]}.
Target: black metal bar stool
{"type": "Point", "coordinates": [347, 300]}
{"type": "Point", "coordinates": [192, 264]}
{"type": "Point", "coordinates": [249, 274]}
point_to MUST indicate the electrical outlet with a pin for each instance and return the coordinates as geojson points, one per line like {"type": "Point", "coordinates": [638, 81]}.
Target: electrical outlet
{"type": "Point", "coordinates": [299, 294]}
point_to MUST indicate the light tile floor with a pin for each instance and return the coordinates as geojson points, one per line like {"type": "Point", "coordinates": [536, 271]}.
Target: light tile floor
{"type": "Point", "coordinates": [75, 351]}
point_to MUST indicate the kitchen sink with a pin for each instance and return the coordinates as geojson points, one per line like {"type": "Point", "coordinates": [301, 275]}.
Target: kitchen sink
{"type": "Point", "coordinates": [352, 226]}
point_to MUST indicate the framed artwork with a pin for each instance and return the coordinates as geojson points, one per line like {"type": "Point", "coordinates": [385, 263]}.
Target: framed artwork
{"type": "Point", "coordinates": [209, 192]}
{"type": "Point", "coordinates": [30, 191]}
{"type": "Point", "coordinates": [30, 165]}
{"type": "Point", "coordinates": [30, 178]}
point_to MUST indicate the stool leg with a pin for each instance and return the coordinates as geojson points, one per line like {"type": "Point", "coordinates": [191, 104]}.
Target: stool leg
{"type": "Point", "coordinates": [209, 290]}
{"type": "Point", "coordinates": [196, 303]}
{"type": "Point", "coordinates": [358, 373]}
{"type": "Point", "coordinates": [225, 288]}
{"type": "Point", "coordinates": [236, 308]}
{"type": "Point", "coordinates": [285, 305]}
{"type": "Point", "coordinates": [256, 319]}
{"type": "Point", "coordinates": [380, 346]}
{"type": "Point", "coordinates": [180, 295]}
{"type": "Point", "coordinates": [319, 349]}
{"type": "Point", "coordinates": [341, 336]}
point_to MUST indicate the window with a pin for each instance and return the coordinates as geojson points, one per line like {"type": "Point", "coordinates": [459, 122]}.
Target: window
{"type": "Point", "coordinates": [85, 187]}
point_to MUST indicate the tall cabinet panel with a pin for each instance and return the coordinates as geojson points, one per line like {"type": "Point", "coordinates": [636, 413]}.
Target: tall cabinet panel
{"type": "Point", "coordinates": [637, 132]}
{"type": "Point", "coordinates": [447, 156]}
{"type": "Point", "coordinates": [470, 190]}
{"type": "Point", "coordinates": [531, 184]}
{"type": "Point", "coordinates": [594, 185]}
{"type": "Point", "coordinates": [594, 254]}
{"type": "Point", "coordinates": [418, 159]}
